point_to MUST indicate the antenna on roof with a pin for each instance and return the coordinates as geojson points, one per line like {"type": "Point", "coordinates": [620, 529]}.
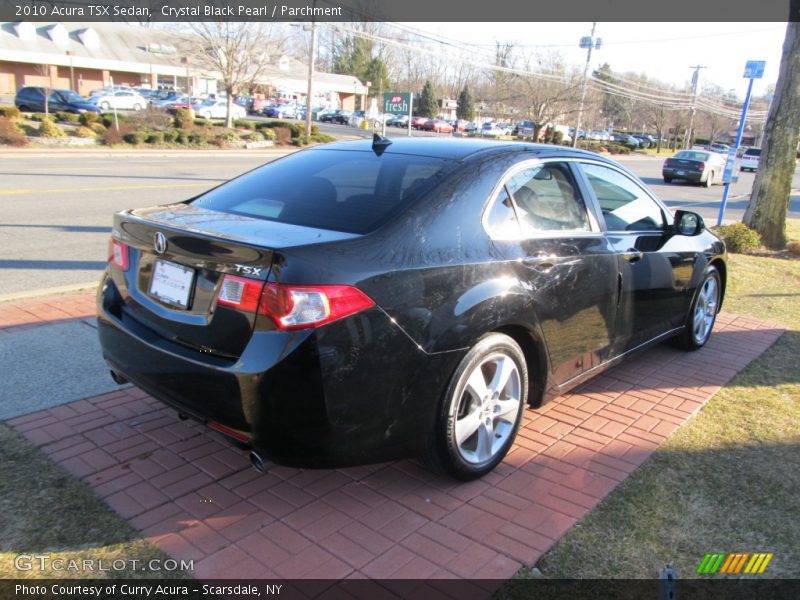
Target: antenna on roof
{"type": "Point", "coordinates": [379, 144]}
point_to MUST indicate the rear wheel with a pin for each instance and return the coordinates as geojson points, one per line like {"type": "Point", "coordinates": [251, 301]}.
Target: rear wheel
{"type": "Point", "coordinates": [710, 180]}
{"type": "Point", "coordinates": [207, 116]}
{"type": "Point", "coordinates": [667, 179]}
{"type": "Point", "coordinates": [481, 410]}
{"type": "Point", "coordinates": [137, 107]}
{"type": "Point", "coordinates": [702, 313]}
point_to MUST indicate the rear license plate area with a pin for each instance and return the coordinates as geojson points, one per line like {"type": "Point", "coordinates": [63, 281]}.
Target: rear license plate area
{"type": "Point", "coordinates": [172, 283]}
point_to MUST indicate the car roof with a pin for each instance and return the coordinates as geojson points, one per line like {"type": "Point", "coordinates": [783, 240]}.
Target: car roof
{"type": "Point", "coordinates": [461, 149]}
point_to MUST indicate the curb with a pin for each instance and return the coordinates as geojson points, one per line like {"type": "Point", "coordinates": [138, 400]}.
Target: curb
{"type": "Point", "coordinates": [52, 291]}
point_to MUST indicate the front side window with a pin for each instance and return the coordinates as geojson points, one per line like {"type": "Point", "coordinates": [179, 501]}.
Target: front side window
{"type": "Point", "coordinates": [625, 205]}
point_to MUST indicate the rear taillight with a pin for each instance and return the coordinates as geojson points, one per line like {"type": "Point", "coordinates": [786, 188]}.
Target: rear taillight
{"type": "Point", "coordinates": [118, 254]}
{"type": "Point", "coordinates": [302, 306]}
{"type": "Point", "coordinates": [701, 166]}
{"type": "Point", "coordinates": [293, 306]}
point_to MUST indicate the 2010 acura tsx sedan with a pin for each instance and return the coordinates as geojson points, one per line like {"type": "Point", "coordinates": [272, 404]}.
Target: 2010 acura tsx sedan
{"type": "Point", "coordinates": [364, 301]}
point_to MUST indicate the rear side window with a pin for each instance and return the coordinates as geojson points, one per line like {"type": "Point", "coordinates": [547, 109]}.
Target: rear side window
{"type": "Point", "coordinates": [752, 152]}
{"type": "Point", "coordinates": [339, 190]}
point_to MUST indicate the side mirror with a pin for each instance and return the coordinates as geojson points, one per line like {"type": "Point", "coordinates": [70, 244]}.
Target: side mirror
{"type": "Point", "coordinates": [688, 223]}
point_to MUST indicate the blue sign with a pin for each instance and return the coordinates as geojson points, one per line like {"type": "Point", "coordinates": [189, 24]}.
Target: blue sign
{"type": "Point", "coordinates": [754, 69]}
{"type": "Point", "coordinates": [731, 173]}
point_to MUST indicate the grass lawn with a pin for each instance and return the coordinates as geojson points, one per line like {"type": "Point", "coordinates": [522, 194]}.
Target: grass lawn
{"type": "Point", "coordinates": [729, 480]}
{"type": "Point", "coordinates": [45, 511]}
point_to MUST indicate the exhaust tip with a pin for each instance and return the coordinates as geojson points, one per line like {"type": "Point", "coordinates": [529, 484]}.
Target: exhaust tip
{"type": "Point", "coordinates": [258, 462]}
{"type": "Point", "coordinates": [118, 379]}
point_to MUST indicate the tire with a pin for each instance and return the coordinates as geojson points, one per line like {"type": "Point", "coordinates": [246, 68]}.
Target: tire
{"type": "Point", "coordinates": [105, 106]}
{"type": "Point", "coordinates": [207, 116]}
{"type": "Point", "coordinates": [702, 312]}
{"type": "Point", "coordinates": [479, 419]}
{"type": "Point", "coordinates": [709, 180]}
{"type": "Point", "coordinates": [137, 107]}
{"type": "Point", "coordinates": [667, 179]}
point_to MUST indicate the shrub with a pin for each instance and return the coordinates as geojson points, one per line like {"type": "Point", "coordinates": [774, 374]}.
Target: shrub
{"type": "Point", "coordinates": [66, 117]}
{"type": "Point", "coordinates": [739, 238]}
{"type": "Point", "coordinates": [107, 119]}
{"type": "Point", "coordinates": [134, 137]}
{"type": "Point", "coordinates": [558, 137]}
{"type": "Point", "coordinates": [181, 136]}
{"type": "Point", "coordinates": [184, 118]}
{"type": "Point", "coordinates": [170, 136]}
{"type": "Point", "coordinates": [154, 137]}
{"type": "Point", "coordinates": [85, 132]}
{"type": "Point", "coordinates": [268, 134]}
{"type": "Point", "coordinates": [244, 124]}
{"type": "Point", "coordinates": [48, 129]}
{"type": "Point", "coordinates": [113, 136]}
{"type": "Point", "coordinates": [253, 136]}
{"type": "Point", "coordinates": [201, 123]}
{"type": "Point", "coordinates": [322, 138]}
{"type": "Point", "coordinates": [227, 136]}
{"type": "Point", "coordinates": [794, 247]}
{"type": "Point", "coordinates": [42, 117]}
{"type": "Point", "coordinates": [151, 118]}
{"type": "Point", "coordinates": [87, 118]}
{"type": "Point", "coordinates": [294, 129]}
{"type": "Point", "coordinates": [198, 137]}
{"type": "Point", "coordinates": [10, 133]}
{"type": "Point", "coordinates": [10, 112]}
{"type": "Point", "coordinates": [97, 127]}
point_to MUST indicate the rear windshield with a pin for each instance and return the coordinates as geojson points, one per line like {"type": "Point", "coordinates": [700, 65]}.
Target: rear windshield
{"type": "Point", "coordinates": [339, 190]}
{"type": "Point", "coordinates": [692, 155]}
{"type": "Point", "coordinates": [752, 152]}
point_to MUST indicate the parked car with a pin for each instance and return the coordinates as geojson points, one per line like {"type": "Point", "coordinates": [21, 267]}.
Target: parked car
{"type": "Point", "coordinates": [281, 111]}
{"type": "Point", "coordinates": [525, 129]}
{"type": "Point", "coordinates": [495, 129]}
{"type": "Point", "coordinates": [121, 100]}
{"type": "Point", "coordinates": [470, 127]}
{"type": "Point", "coordinates": [218, 109]}
{"type": "Point", "coordinates": [32, 99]}
{"type": "Point", "coordinates": [645, 141]}
{"type": "Point", "coordinates": [270, 309]}
{"type": "Point", "coordinates": [697, 166]}
{"type": "Point", "coordinates": [750, 159]}
{"type": "Point", "coordinates": [397, 121]}
{"type": "Point", "coordinates": [720, 149]}
{"type": "Point", "coordinates": [626, 140]}
{"type": "Point", "coordinates": [110, 89]}
{"type": "Point", "coordinates": [340, 116]}
{"type": "Point", "coordinates": [438, 125]}
{"type": "Point", "coordinates": [418, 122]}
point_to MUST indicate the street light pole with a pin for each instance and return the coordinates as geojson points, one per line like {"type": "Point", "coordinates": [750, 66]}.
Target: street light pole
{"type": "Point", "coordinates": [690, 130]}
{"type": "Point", "coordinates": [587, 43]}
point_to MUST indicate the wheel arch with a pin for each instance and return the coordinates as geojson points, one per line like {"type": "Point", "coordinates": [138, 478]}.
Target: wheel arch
{"type": "Point", "coordinates": [722, 269]}
{"type": "Point", "coordinates": [535, 357]}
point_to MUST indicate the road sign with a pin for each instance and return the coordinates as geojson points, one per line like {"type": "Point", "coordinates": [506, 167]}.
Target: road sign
{"type": "Point", "coordinates": [754, 69]}
{"type": "Point", "coordinates": [397, 103]}
{"type": "Point", "coordinates": [731, 173]}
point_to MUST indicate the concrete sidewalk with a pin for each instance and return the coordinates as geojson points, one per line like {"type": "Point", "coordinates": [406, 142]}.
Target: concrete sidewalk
{"type": "Point", "coordinates": [196, 497]}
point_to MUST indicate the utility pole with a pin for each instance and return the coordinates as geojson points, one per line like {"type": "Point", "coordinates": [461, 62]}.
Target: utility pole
{"type": "Point", "coordinates": [695, 81]}
{"type": "Point", "coordinates": [311, 74]}
{"type": "Point", "coordinates": [588, 43]}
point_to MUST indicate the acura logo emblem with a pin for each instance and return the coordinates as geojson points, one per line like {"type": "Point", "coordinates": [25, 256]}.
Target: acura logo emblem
{"type": "Point", "coordinates": [160, 243]}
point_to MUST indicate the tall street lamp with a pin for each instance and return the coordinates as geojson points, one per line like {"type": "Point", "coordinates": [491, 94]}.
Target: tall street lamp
{"type": "Point", "coordinates": [587, 42]}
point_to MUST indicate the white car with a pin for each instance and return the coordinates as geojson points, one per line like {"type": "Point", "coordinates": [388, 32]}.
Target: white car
{"type": "Point", "coordinates": [495, 130]}
{"type": "Point", "coordinates": [121, 100]}
{"type": "Point", "coordinates": [750, 159]}
{"type": "Point", "coordinates": [218, 109]}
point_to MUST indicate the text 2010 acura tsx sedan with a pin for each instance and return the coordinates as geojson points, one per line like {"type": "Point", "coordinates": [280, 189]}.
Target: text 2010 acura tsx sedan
{"type": "Point", "coordinates": [363, 301]}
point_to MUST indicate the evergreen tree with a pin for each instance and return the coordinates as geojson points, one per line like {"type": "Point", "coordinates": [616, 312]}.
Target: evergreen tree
{"type": "Point", "coordinates": [427, 105]}
{"type": "Point", "coordinates": [466, 108]}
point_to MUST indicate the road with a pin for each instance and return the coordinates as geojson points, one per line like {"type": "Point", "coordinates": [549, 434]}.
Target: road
{"type": "Point", "coordinates": [57, 206]}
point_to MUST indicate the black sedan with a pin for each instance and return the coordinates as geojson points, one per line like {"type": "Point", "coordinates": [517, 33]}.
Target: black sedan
{"type": "Point", "coordinates": [363, 301]}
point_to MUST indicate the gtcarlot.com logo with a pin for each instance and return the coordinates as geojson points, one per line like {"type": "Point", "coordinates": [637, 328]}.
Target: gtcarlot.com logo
{"type": "Point", "coordinates": [735, 563]}
{"type": "Point", "coordinates": [44, 562]}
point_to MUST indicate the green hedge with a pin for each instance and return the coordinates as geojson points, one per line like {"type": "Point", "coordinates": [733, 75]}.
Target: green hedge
{"type": "Point", "coordinates": [11, 112]}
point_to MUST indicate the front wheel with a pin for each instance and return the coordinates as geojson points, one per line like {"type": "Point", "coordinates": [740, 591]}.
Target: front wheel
{"type": "Point", "coordinates": [481, 410]}
{"type": "Point", "coordinates": [702, 313]}
{"type": "Point", "coordinates": [105, 106]}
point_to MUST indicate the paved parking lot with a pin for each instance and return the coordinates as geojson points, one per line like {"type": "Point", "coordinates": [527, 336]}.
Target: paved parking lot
{"type": "Point", "coordinates": [196, 497]}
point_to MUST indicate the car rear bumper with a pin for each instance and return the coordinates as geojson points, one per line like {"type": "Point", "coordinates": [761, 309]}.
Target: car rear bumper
{"type": "Point", "coordinates": [695, 176]}
{"type": "Point", "coordinates": [355, 391]}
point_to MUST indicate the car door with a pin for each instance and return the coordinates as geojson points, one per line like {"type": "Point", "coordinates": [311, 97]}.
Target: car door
{"type": "Point", "coordinates": [540, 222]}
{"type": "Point", "coordinates": [654, 271]}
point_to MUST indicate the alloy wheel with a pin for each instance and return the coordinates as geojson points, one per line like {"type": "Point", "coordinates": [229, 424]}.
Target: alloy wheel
{"type": "Point", "coordinates": [705, 310]}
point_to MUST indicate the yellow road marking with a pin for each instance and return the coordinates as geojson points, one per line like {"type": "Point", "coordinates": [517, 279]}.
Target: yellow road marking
{"type": "Point", "coordinates": [105, 188]}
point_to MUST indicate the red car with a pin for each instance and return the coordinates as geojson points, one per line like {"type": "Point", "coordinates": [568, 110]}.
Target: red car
{"type": "Point", "coordinates": [438, 125]}
{"type": "Point", "coordinates": [418, 122]}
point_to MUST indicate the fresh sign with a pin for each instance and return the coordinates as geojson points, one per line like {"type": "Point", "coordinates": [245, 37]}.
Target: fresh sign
{"type": "Point", "coordinates": [397, 103]}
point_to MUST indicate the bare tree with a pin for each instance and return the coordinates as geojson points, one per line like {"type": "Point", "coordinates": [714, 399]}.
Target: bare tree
{"type": "Point", "coordinates": [238, 52]}
{"type": "Point", "coordinates": [769, 202]}
{"type": "Point", "coordinates": [46, 73]}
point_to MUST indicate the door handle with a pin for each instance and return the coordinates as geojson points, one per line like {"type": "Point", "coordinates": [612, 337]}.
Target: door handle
{"type": "Point", "coordinates": [543, 266]}
{"type": "Point", "coordinates": [633, 255]}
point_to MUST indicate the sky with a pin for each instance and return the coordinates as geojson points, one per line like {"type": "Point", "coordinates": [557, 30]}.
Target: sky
{"type": "Point", "coordinates": [662, 51]}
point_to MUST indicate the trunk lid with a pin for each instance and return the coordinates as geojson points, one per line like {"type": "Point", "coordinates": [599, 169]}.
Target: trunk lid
{"type": "Point", "coordinates": [173, 284]}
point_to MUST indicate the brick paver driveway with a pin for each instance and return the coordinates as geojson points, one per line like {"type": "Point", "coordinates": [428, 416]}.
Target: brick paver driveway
{"type": "Point", "coordinates": [196, 497]}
